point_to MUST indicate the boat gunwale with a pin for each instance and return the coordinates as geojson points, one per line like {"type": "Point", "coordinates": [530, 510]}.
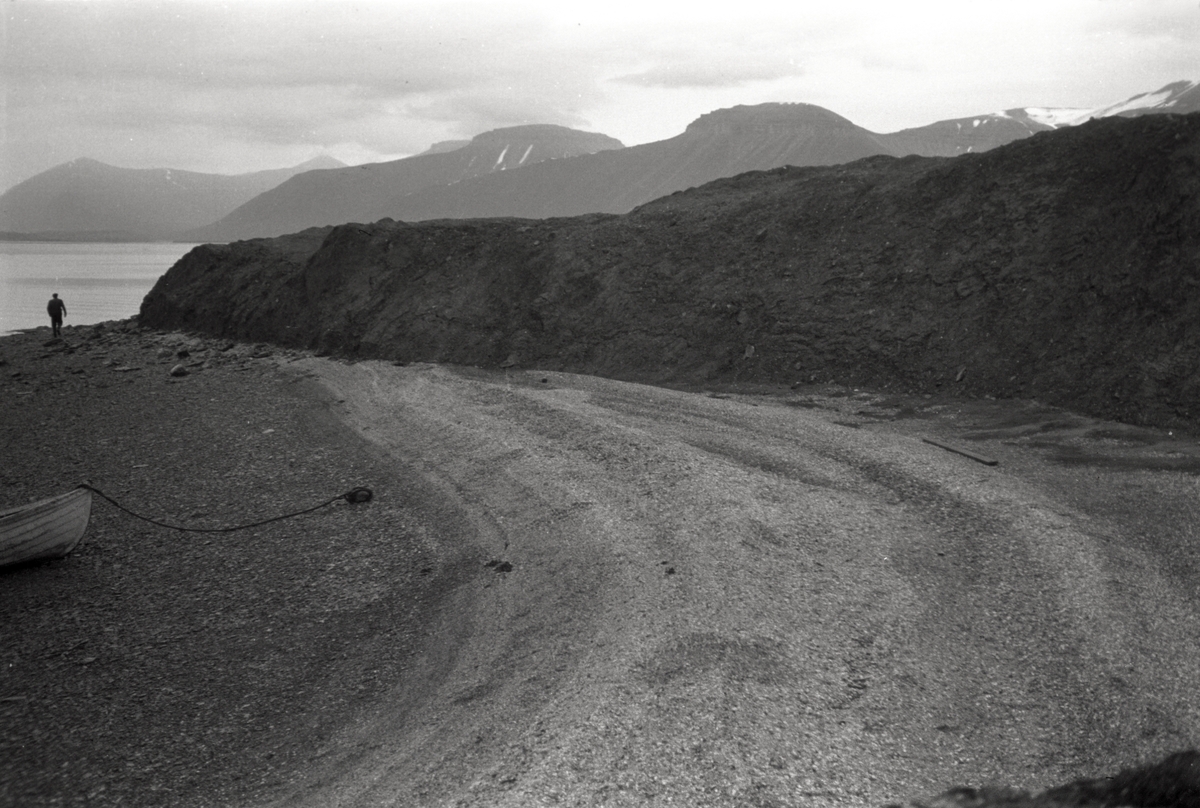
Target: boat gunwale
{"type": "Point", "coordinates": [47, 528]}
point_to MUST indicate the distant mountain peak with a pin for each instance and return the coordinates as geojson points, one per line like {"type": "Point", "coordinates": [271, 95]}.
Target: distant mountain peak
{"type": "Point", "coordinates": [571, 141]}
{"type": "Point", "coordinates": [85, 196]}
{"type": "Point", "coordinates": [321, 161]}
{"type": "Point", "coordinates": [373, 191]}
{"type": "Point", "coordinates": [745, 116]}
{"type": "Point", "coordinates": [444, 146]}
{"type": "Point", "coordinates": [525, 130]}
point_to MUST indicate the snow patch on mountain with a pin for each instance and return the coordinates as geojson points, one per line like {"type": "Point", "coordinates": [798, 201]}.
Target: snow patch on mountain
{"type": "Point", "coordinates": [1058, 116]}
{"type": "Point", "coordinates": [1164, 99]}
{"type": "Point", "coordinates": [1143, 101]}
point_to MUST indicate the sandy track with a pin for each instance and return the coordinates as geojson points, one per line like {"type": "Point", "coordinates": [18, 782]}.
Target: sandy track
{"type": "Point", "coordinates": [749, 600]}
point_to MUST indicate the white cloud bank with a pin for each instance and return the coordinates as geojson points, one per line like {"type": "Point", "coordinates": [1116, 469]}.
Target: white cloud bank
{"type": "Point", "coordinates": [233, 87]}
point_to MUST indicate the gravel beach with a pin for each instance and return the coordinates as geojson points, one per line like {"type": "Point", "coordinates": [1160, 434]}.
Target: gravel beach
{"type": "Point", "coordinates": [574, 591]}
{"type": "Point", "coordinates": [159, 667]}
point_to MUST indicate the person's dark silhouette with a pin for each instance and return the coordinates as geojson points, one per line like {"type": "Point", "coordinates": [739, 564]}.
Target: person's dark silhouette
{"type": "Point", "coordinates": [57, 310]}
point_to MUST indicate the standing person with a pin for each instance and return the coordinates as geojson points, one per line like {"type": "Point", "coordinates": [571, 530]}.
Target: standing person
{"type": "Point", "coordinates": [57, 310]}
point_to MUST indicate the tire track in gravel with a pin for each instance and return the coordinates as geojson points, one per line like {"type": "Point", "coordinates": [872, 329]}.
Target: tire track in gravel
{"type": "Point", "coordinates": [747, 600]}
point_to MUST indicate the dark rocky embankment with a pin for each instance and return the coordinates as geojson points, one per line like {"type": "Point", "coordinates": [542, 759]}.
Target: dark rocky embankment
{"type": "Point", "coordinates": [1171, 783]}
{"type": "Point", "coordinates": [1064, 267]}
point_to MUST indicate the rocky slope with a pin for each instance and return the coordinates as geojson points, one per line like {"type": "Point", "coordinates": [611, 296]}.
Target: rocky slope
{"type": "Point", "coordinates": [1065, 266]}
{"type": "Point", "coordinates": [372, 191]}
{"type": "Point", "coordinates": [1171, 783]}
{"type": "Point", "coordinates": [89, 200]}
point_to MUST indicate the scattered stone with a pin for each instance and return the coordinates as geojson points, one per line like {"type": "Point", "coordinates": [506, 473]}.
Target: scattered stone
{"type": "Point", "coordinates": [179, 370]}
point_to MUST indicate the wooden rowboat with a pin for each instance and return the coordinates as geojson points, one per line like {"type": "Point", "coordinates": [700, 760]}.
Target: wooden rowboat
{"type": "Point", "coordinates": [49, 528]}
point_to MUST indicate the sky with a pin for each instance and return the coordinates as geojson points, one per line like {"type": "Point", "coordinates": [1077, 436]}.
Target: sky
{"type": "Point", "coordinates": [232, 87]}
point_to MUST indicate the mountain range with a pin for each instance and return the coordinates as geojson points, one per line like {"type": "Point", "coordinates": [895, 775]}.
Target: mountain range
{"type": "Point", "coordinates": [89, 200]}
{"type": "Point", "coordinates": [534, 171]}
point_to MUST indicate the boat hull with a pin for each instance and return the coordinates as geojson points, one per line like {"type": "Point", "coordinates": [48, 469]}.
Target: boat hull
{"type": "Point", "coordinates": [49, 528]}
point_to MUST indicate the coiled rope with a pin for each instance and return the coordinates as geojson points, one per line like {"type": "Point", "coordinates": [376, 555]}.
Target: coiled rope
{"type": "Point", "coordinates": [354, 495]}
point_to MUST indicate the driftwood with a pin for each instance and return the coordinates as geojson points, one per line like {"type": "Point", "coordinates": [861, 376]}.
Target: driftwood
{"type": "Point", "coordinates": [950, 447]}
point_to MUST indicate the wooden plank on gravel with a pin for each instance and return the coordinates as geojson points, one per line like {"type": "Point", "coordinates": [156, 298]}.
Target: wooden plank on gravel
{"type": "Point", "coordinates": [949, 447]}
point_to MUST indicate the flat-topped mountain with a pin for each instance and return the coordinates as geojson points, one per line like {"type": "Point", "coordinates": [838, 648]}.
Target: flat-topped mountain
{"type": "Point", "coordinates": [1059, 266]}
{"type": "Point", "coordinates": [89, 200]}
{"type": "Point", "coordinates": [443, 146]}
{"type": "Point", "coordinates": [373, 191]}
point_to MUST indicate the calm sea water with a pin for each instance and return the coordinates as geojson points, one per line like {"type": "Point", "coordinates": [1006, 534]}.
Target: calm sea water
{"type": "Point", "coordinates": [97, 281]}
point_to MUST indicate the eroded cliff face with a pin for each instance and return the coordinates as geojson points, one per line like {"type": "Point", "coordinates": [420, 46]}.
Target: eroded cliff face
{"type": "Point", "coordinates": [1064, 267]}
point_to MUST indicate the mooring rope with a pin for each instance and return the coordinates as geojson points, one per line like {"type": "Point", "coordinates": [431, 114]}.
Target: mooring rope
{"type": "Point", "coordinates": [354, 495]}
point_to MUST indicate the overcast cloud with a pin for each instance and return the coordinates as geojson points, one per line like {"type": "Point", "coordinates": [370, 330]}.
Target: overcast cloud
{"type": "Point", "coordinates": [241, 86]}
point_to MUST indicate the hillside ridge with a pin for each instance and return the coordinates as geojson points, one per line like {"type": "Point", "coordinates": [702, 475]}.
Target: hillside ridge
{"type": "Point", "coordinates": [1061, 267]}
